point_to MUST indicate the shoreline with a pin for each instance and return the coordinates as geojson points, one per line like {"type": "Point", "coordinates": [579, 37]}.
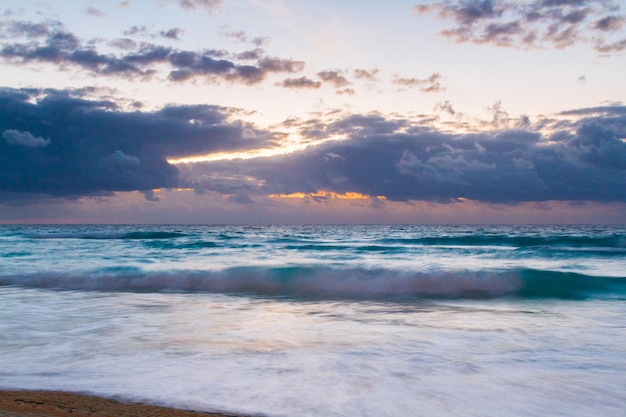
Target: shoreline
{"type": "Point", "coordinates": [40, 403]}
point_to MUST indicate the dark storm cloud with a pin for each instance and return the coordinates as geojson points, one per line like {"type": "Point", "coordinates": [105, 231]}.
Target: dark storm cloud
{"type": "Point", "coordinates": [50, 43]}
{"type": "Point", "coordinates": [59, 143]}
{"type": "Point", "coordinates": [365, 125]}
{"type": "Point", "coordinates": [15, 137]}
{"type": "Point", "coordinates": [531, 24]}
{"type": "Point", "coordinates": [406, 162]}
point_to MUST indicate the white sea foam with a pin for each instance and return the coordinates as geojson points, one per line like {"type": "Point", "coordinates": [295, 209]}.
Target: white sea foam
{"type": "Point", "coordinates": [285, 358]}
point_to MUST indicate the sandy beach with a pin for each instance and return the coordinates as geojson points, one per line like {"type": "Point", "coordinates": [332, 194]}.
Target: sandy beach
{"type": "Point", "coordinates": [62, 404]}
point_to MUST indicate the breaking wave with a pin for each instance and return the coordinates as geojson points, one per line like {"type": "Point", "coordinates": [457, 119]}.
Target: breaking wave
{"type": "Point", "coordinates": [324, 282]}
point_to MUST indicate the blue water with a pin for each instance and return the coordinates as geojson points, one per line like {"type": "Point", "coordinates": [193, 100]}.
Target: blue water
{"type": "Point", "coordinates": [321, 320]}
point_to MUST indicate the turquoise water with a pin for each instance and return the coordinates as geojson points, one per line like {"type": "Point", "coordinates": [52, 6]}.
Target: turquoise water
{"type": "Point", "coordinates": [321, 320]}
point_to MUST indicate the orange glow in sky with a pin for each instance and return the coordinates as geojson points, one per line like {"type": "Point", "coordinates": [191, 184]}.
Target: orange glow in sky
{"type": "Point", "coordinates": [328, 195]}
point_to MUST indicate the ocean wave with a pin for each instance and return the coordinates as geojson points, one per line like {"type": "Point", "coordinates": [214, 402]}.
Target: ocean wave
{"type": "Point", "coordinates": [147, 235]}
{"type": "Point", "coordinates": [613, 241]}
{"type": "Point", "coordinates": [325, 282]}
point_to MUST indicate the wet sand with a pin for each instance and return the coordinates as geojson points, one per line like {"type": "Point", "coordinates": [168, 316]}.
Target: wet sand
{"type": "Point", "coordinates": [64, 404]}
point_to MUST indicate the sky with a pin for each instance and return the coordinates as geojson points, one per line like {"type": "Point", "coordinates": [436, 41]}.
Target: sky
{"type": "Point", "coordinates": [302, 112]}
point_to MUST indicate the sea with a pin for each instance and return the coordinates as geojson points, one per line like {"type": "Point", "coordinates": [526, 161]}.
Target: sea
{"type": "Point", "coordinates": [368, 320]}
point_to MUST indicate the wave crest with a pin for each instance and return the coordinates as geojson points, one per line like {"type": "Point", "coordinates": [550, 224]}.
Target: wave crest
{"type": "Point", "coordinates": [334, 283]}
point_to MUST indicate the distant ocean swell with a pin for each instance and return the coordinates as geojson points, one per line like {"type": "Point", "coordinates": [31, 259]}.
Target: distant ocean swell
{"type": "Point", "coordinates": [331, 283]}
{"type": "Point", "coordinates": [610, 244]}
{"type": "Point", "coordinates": [107, 235]}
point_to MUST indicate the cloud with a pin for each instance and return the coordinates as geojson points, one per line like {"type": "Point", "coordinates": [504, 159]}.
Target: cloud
{"type": "Point", "coordinates": [500, 118]}
{"type": "Point", "coordinates": [208, 5]}
{"type": "Point", "coordinates": [59, 143]}
{"type": "Point", "coordinates": [610, 23]}
{"type": "Point", "coordinates": [445, 107]}
{"type": "Point", "coordinates": [14, 137]}
{"type": "Point", "coordinates": [119, 158]}
{"type": "Point", "coordinates": [614, 110]}
{"type": "Point", "coordinates": [404, 161]}
{"type": "Point", "coordinates": [366, 75]}
{"type": "Point", "coordinates": [280, 65]}
{"type": "Point", "coordinates": [365, 125]}
{"type": "Point", "coordinates": [531, 24]}
{"type": "Point", "coordinates": [189, 65]}
{"type": "Point", "coordinates": [123, 43]}
{"type": "Point", "coordinates": [426, 85]}
{"type": "Point", "coordinates": [242, 36]}
{"type": "Point", "coordinates": [92, 11]}
{"type": "Point", "coordinates": [612, 47]}
{"type": "Point", "coordinates": [51, 43]}
{"type": "Point", "coordinates": [346, 91]}
{"type": "Point", "coordinates": [301, 82]}
{"type": "Point", "coordinates": [134, 30]}
{"type": "Point", "coordinates": [174, 33]}
{"type": "Point", "coordinates": [252, 55]}
{"type": "Point", "coordinates": [150, 195]}
{"type": "Point", "coordinates": [333, 77]}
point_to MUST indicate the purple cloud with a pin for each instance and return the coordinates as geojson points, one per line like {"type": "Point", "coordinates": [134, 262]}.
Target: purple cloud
{"type": "Point", "coordinates": [429, 84]}
{"type": "Point", "coordinates": [336, 78]}
{"type": "Point", "coordinates": [51, 43]}
{"type": "Point", "coordinates": [403, 161]}
{"type": "Point", "coordinates": [532, 24]}
{"type": "Point", "coordinates": [60, 144]}
{"type": "Point", "coordinates": [301, 82]}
